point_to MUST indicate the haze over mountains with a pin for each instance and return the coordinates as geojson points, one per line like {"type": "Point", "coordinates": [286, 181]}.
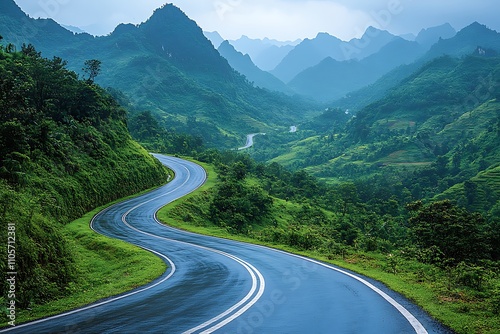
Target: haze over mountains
{"type": "Point", "coordinates": [166, 65]}
{"type": "Point", "coordinates": [326, 68]}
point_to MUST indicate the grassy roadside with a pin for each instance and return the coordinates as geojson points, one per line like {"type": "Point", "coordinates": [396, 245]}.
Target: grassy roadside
{"type": "Point", "coordinates": [105, 267]}
{"type": "Point", "coordinates": [425, 285]}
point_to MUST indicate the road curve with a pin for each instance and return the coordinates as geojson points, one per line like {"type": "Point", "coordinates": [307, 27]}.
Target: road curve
{"type": "Point", "coordinates": [222, 286]}
{"type": "Point", "coordinates": [249, 142]}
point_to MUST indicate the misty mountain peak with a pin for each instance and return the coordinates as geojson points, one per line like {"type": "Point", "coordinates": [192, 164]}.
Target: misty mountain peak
{"type": "Point", "coordinates": [475, 28]}
{"type": "Point", "coordinates": [10, 8]}
{"type": "Point", "coordinates": [372, 31]}
{"type": "Point", "coordinates": [168, 14]}
{"type": "Point", "coordinates": [326, 37]}
{"type": "Point", "coordinates": [124, 28]}
{"type": "Point", "coordinates": [427, 37]}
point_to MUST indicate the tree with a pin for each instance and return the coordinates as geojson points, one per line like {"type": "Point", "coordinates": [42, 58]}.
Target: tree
{"type": "Point", "coordinates": [92, 68]}
{"type": "Point", "coordinates": [237, 204]}
{"type": "Point", "coordinates": [458, 234]}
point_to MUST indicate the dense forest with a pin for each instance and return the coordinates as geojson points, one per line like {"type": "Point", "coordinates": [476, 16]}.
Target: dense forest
{"type": "Point", "coordinates": [167, 66]}
{"type": "Point", "coordinates": [437, 247]}
{"type": "Point", "coordinates": [401, 178]}
{"type": "Point", "coordinates": [64, 150]}
{"type": "Point", "coordinates": [435, 135]}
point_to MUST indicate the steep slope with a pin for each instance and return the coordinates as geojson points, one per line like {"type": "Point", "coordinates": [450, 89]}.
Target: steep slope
{"type": "Point", "coordinates": [214, 37]}
{"type": "Point", "coordinates": [470, 40]}
{"type": "Point", "coordinates": [466, 41]}
{"type": "Point", "coordinates": [244, 65]}
{"type": "Point", "coordinates": [312, 51]}
{"type": "Point", "coordinates": [269, 58]}
{"type": "Point", "coordinates": [17, 28]}
{"type": "Point", "coordinates": [64, 150]}
{"type": "Point", "coordinates": [309, 53]}
{"type": "Point", "coordinates": [430, 36]}
{"type": "Point", "coordinates": [167, 65]}
{"type": "Point", "coordinates": [372, 41]}
{"type": "Point", "coordinates": [332, 79]}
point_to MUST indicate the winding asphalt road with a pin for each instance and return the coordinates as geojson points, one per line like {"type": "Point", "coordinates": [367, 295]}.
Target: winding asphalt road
{"type": "Point", "coordinates": [249, 142]}
{"type": "Point", "coordinates": [222, 286]}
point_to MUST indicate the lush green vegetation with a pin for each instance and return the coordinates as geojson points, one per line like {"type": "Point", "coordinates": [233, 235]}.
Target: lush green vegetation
{"type": "Point", "coordinates": [64, 150]}
{"type": "Point", "coordinates": [439, 255]}
{"type": "Point", "coordinates": [103, 268]}
{"type": "Point", "coordinates": [167, 66]}
{"type": "Point", "coordinates": [411, 165]}
{"type": "Point", "coordinates": [418, 142]}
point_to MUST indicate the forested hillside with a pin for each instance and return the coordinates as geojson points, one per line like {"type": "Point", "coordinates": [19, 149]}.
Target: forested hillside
{"type": "Point", "coordinates": [64, 150]}
{"type": "Point", "coordinates": [165, 65]}
{"type": "Point", "coordinates": [438, 254]}
{"type": "Point", "coordinates": [437, 131]}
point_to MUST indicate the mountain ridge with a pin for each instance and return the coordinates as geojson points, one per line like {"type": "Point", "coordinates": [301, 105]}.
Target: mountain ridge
{"type": "Point", "coordinates": [168, 66]}
{"type": "Point", "coordinates": [244, 65]}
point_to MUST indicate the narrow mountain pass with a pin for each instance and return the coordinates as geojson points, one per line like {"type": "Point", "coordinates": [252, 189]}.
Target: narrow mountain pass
{"type": "Point", "coordinates": [223, 286]}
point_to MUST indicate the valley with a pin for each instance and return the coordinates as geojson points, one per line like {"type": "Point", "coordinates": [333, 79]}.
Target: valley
{"type": "Point", "coordinates": [391, 168]}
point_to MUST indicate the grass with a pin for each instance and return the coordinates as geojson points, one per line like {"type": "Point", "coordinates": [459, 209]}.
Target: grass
{"type": "Point", "coordinates": [106, 267]}
{"type": "Point", "coordinates": [427, 286]}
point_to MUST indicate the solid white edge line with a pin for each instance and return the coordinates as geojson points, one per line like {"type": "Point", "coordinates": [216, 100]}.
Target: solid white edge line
{"type": "Point", "coordinates": [170, 262]}
{"type": "Point", "coordinates": [414, 322]}
{"type": "Point", "coordinates": [243, 309]}
{"type": "Point", "coordinates": [36, 322]}
{"type": "Point", "coordinates": [251, 269]}
{"type": "Point", "coordinates": [417, 326]}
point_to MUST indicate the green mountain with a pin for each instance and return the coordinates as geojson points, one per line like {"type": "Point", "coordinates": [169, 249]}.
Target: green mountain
{"type": "Point", "coordinates": [332, 79]}
{"type": "Point", "coordinates": [168, 66]}
{"type": "Point", "coordinates": [64, 150]}
{"type": "Point", "coordinates": [428, 37]}
{"type": "Point", "coordinates": [265, 53]}
{"type": "Point", "coordinates": [466, 41]}
{"type": "Point", "coordinates": [435, 134]}
{"type": "Point", "coordinates": [311, 52]}
{"type": "Point", "coordinates": [475, 38]}
{"type": "Point", "coordinates": [244, 65]}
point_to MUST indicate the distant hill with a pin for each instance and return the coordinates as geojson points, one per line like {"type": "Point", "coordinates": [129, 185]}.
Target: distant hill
{"type": "Point", "coordinates": [244, 65]}
{"type": "Point", "coordinates": [463, 43]}
{"type": "Point", "coordinates": [433, 96]}
{"type": "Point", "coordinates": [331, 79]}
{"type": "Point", "coordinates": [308, 53]}
{"type": "Point", "coordinates": [312, 51]}
{"type": "Point", "coordinates": [430, 36]}
{"type": "Point", "coordinates": [435, 133]}
{"type": "Point", "coordinates": [466, 41]}
{"type": "Point", "coordinates": [269, 58]}
{"type": "Point", "coordinates": [165, 65]}
{"type": "Point", "coordinates": [64, 150]}
{"type": "Point", "coordinates": [214, 37]}
{"type": "Point", "coordinates": [265, 53]}
{"type": "Point", "coordinates": [74, 29]}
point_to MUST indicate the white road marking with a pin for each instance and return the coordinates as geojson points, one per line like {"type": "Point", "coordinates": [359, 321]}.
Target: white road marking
{"type": "Point", "coordinates": [260, 282]}
{"type": "Point", "coordinates": [417, 326]}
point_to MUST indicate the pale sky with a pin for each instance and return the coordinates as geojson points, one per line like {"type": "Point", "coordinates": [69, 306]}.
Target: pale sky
{"type": "Point", "coordinates": [277, 19]}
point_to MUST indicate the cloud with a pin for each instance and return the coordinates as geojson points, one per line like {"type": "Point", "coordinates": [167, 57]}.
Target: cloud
{"type": "Point", "coordinates": [281, 19]}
